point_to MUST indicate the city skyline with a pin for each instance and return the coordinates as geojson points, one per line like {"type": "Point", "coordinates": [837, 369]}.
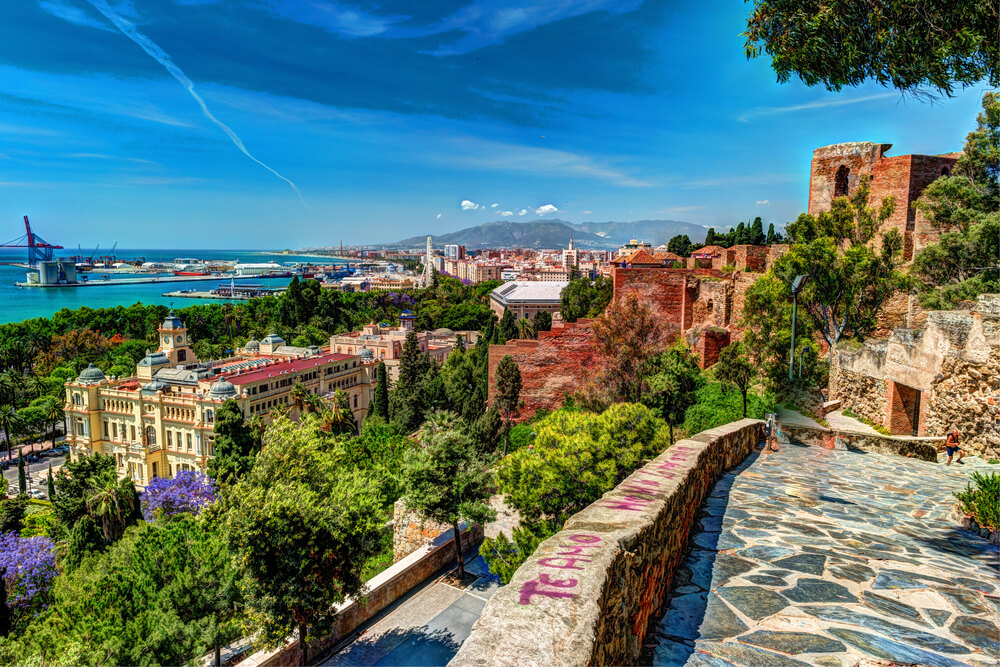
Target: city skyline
{"type": "Point", "coordinates": [220, 125]}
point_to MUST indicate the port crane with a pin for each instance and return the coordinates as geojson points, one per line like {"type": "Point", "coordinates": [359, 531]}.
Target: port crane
{"type": "Point", "coordinates": [38, 248]}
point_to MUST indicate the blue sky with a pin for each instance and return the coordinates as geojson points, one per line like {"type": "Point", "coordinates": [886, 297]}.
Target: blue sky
{"type": "Point", "coordinates": [369, 122]}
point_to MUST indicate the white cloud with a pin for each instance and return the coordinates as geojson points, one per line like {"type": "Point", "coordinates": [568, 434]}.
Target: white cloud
{"type": "Point", "coordinates": [494, 205]}
{"type": "Point", "coordinates": [506, 214]}
{"type": "Point", "coordinates": [438, 216]}
{"type": "Point", "coordinates": [838, 101]}
{"type": "Point", "coordinates": [73, 15]}
{"type": "Point", "coordinates": [547, 208]}
{"type": "Point", "coordinates": [523, 211]}
{"type": "Point", "coordinates": [469, 205]}
{"type": "Point", "coordinates": [586, 212]}
{"type": "Point", "coordinates": [764, 202]}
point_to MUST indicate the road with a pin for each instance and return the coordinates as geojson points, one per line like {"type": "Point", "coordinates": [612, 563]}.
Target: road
{"type": "Point", "coordinates": [36, 473]}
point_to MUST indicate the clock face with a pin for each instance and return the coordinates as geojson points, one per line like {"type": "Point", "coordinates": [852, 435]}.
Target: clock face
{"type": "Point", "coordinates": [180, 339]}
{"type": "Point", "coordinates": [166, 339]}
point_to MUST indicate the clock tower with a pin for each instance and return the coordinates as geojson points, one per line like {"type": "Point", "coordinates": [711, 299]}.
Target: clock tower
{"type": "Point", "coordinates": [174, 341]}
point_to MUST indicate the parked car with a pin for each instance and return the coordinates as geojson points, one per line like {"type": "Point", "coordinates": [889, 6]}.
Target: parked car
{"type": "Point", "coordinates": [33, 458]}
{"type": "Point", "coordinates": [37, 493]}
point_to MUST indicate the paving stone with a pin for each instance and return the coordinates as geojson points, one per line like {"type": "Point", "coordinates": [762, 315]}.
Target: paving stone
{"type": "Point", "coordinates": [888, 649]}
{"type": "Point", "coordinates": [856, 573]}
{"type": "Point", "coordinates": [766, 580]}
{"type": "Point", "coordinates": [766, 553]}
{"type": "Point", "coordinates": [700, 615]}
{"type": "Point", "coordinates": [807, 563]}
{"type": "Point", "coordinates": [754, 601]}
{"type": "Point", "coordinates": [924, 639]}
{"type": "Point", "coordinates": [938, 616]}
{"type": "Point", "coordinates": [978, 632]}
{"type": "Point", "coordinates": [718, 541]}
{"type": "Point", "coordinates": [891, 580]}
{"type": "Point", "coordinates": [793, 642]}
{"type": "Point", "coordinates": [819, 590]}
{"type": "Point", "coordinates": [967, 602]}
{"type": "Point", "coordinates": [891, 607]}
{"type": "Point", "coordinates": [749, 656]}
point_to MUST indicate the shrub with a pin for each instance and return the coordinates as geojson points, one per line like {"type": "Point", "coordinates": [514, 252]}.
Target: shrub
{"type": "Point", "coordinates": [983, 502]}
{"type": "Point", "coordinates": [718, 405]}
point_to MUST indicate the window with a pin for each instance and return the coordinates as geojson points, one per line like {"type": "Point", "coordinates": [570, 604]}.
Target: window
{"type": "Point", "coordinates": [355, 400]}
{"type": "Point", "coordinates": [841, 181]}
{"type": "Point", "coordinates": [119, 460]}
{"type": "Point", "coordinates": [107, 431]}
{"type": "Point", "coordinates": [181, 354]}
{"type": "Point", "coordinates": [155, 471]}
{"type": "Point", "coordinates": [170, 439]}
{"type": "Point", "coordinates": [132, 432]}
{"type": "Point", "coordinates": [151, 440]}
{"type": "Point", "coordinates": [210, 415]}
{"type": "Point", "coordinates": [189, 441]}
{"type": "Point", "coordinates": [114, 430]}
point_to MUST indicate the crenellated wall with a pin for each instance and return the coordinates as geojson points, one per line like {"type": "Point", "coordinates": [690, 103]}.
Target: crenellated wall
{"type": "Point", "coordinates": [587, 594]}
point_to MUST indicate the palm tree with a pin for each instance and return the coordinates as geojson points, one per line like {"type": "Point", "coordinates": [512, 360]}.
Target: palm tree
{"type": "Point", "coordinates": [52, 413]}
{"type": "Point", "coordinates": [36, 385]}
{"type": "Point", "coordinates": [337, 417]}
{"type": "Point", "coordinates": [298, 395]}
{"type": "Point", "coordinates": [110, 504]}
{"type": "Point", "coordinates": [9, 421]}
{"type": "Point", "coordinates": [8, 388]}
{"type": "Point", "coordinates": [438, 421]}
{"type": "Point", "coordinates": [313, 403]}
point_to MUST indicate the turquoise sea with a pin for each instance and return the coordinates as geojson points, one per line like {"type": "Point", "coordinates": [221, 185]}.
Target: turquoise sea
{"type": "Point", "coordinates": [18, 304]}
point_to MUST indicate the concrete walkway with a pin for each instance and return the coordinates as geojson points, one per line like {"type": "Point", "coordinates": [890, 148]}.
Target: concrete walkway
{"type": "Point", "coordinates": [811, 556]}
{"type": "Point", "coordinates": [424, 628]}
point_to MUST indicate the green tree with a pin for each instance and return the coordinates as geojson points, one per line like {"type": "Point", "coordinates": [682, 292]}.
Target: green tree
{"type": "Point", "coordinates": [508, 326]}
{"type": "Point", "coordinates": [380, 406]}
{"type": "Point", "coordinates": [905, 44]}
{"type": "Point", "coordinates": [585, 298]}
{"type": "Point", "coordinates": [22, 480]}
{"type": "Point", "coordinates": [50, 485]}
{"type": "Point", "coordinates": [74, 482]}
{"type": "Point", "coordinates": [298, 394]}
{"type": "Point", "coordinates": [681, 244]}
{"type": "Point", "coordinates": [112, 504]}
{"type": "Point", "coordinates": [236, 445]}
{"type": "Point", "coordinates": [771, 238]}
{"type": "Point", "coordinates": [508, 395]}
{"type": "Point", "coordinates": [301, 528]}
{"type": "Point", "coordinates": [670, 384]}
{"type": "Point", "coordinates": [52, 414]}
{"type": "Point", "coordinates": [849, 281]}
{"type": "Point", "coordinates": [4, 608]}
{"type": "Point", "coordinates": [542, 321]}
{"type": "Point", "coordinates": [755, 235]}
{"type": "Point", "coordinates": [84, 539]}
{"type": "Point", "coordinates": [12, 512]}
{"type": "Point", "coordinates": [338, 417]}
{"type": "Point", "coordinates": [710, 238]}
{"type": "Point", "coordinates": [735, 368]}
{"type": "Point", "coordinates": [446, 481]}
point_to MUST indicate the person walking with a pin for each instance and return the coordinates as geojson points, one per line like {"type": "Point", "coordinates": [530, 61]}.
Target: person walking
{"type": "Point", "coordinates": [951, 446]}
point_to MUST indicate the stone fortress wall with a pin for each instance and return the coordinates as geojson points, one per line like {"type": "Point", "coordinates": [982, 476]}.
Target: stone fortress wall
{"type": "Point", "coordinates": [587, 594]}
{"type": "Point", "coordinates": [923, 382]}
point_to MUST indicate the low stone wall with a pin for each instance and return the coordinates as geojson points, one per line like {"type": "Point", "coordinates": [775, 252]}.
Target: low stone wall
{"type": "Point", "coordinates": [411, 530]}
{"type": "Point", "coordinates": [587, 594]}
{"type": "Point", "coordinates": [924, 449]}
{"type": "Point", "coordinates": [383, 589]}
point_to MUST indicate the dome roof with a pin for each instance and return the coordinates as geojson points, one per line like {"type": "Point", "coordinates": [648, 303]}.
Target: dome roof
{"type": "Point", "coordinates": [273, 339]}
{"type": "Point", "coordinates": [222, 389]}
{"type": "Point", "coordinates": [252, 344]}
{"type": "Point", "coordinates": [407, 314]}
{"type": "Point", "coordinates": [172, 321]}
{"type": "Point", "coordinates": [366, 354]}
{"type": "Point", "coordinates": [151, 388]}
{"type": "Point", "coordinates": [91, 375]}
{"type": "Point", "coordinates": [153, 359]}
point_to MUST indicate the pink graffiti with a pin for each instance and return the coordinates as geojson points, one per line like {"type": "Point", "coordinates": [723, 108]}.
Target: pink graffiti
{"type": "Point", "coordinates": [531, 588]}
{"type": "Point", "coordinates": [584, 538]}
{"type": "Point", "coordinates": [630, 503]}
{"type": "Point", "coordinates": [569, 562]}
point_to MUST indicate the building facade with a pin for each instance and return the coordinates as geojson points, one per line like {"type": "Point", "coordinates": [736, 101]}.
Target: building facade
{"type": "Point", "coordinates": [162, 420]}
{"type": "Point", "coordinates": [524, 298]}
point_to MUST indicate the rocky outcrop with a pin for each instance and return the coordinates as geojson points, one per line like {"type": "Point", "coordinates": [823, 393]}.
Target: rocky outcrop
{"type": "Point", "coordinates": [587, 594]}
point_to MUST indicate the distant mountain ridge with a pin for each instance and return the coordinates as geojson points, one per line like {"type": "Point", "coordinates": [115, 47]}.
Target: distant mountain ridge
{"type": "Point", "coordinates": [555, 234]}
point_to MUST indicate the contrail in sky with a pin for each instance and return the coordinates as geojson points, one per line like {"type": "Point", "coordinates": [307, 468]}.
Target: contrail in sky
{"type": "Point", "coordinates": [159, 55]}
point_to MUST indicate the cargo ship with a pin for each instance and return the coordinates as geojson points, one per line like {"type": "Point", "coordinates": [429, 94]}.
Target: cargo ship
{"type": "Point", "coordinates": [190, 267]}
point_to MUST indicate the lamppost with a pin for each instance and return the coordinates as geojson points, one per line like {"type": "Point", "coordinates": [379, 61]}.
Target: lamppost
{"type": "Point", "coordinates": [797, 286]}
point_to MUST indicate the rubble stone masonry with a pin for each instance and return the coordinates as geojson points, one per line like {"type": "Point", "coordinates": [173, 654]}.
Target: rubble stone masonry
{"type": "Point", "coordinates": [924, 382]}
{"type": "Point", "coordinates": [587, 594]}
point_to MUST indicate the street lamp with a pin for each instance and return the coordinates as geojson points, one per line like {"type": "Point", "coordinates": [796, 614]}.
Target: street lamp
{"type": "Point", "coordinates": [797, 286]}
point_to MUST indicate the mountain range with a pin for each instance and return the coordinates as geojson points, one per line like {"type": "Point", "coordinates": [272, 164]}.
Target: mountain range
{"type": "Point", "coordinates": [556, 233]}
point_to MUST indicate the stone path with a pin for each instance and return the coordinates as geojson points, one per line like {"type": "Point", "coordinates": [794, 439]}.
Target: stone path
{"type": "Point", "coordinates": [811, 556]}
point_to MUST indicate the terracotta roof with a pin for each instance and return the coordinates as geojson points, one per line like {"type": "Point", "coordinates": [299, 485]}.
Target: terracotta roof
{"type": "Point", "coordinates": [284, 368]}
{"type": "Point", "coordinates": [708, 251]}
{"type": "Point", "coordinates": [639, 257]}
{"type": "Point", "coordinates": [667, 256]}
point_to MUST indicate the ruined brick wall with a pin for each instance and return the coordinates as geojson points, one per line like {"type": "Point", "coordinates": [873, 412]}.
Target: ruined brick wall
{"type": "Point", "coordinates": [902, 177]}
{"type": "Point", "coordinates": [587, 594]}
{"type": "Point", "coordinates": [411, 530]}
{"type": "Point", "coordinates": [671, 293]}
{"type": "Point", "coordinates": [862, 394]}
{"type": "Point", "coordinates": [559, 362]}
{"type": "Point", "coordinates": [711, 342]}
{"type": "Point", "coordinates": [752, 258]}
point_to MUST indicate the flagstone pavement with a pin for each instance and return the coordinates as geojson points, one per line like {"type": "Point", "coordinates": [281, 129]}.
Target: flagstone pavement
{"type": "Point", "coordinates": [811, 556]}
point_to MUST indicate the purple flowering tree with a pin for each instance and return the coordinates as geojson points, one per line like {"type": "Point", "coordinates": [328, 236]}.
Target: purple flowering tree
{"type": "Point", "coordinates": [29, 566]}
{"type": "Point", "coordinates": [188, 491]}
